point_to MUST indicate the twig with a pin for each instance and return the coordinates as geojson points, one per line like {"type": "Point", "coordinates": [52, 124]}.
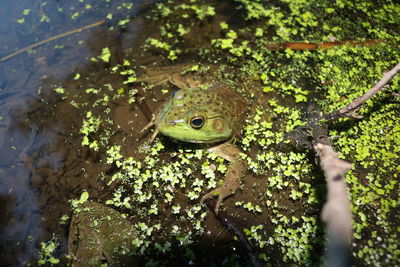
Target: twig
{"type": "Point", "coordinates": [343, 112]}
{"type": "Point", "coordinates": [304, 136]}
{"type": "Point", "coordinates": [336, 211]}
{"type": "Point", "coordinates": [315, 46]}
{"type": "Point", "coordinates": [230, 223]}
{"type": "Point", "coordinates": [51, 39]}
{"type": "Point", "coordinates": [396, 94]}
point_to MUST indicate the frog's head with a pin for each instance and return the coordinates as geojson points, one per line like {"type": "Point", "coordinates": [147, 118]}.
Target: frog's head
{"type": "Point", "coordinates": [192, 117]}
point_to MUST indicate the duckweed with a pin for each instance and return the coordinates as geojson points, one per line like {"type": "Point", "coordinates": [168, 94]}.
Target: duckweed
{"type": "Point", "coordinates": [47, 251]}
{"type": "Point", "coordinates": [280, 83]}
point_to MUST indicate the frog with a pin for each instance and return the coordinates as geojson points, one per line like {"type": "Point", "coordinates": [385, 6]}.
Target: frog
{"type": "Point", "coordinates": [204, 112]}
{"type": "Point", "coordinates": [93, 240]}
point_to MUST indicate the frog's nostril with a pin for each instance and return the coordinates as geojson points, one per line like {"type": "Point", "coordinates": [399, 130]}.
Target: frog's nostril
{"type": "Point", "coordinates": [173, 122]}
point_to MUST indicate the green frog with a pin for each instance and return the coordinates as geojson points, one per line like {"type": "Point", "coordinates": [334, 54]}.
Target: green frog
{"type": "Point", "coordinates": [93, 238]}
{"type": "Point", "coordinates": [211, 116]}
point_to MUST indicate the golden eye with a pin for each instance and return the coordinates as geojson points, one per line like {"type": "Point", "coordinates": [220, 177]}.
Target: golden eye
{"type": "Point", "coordinates": [197, 122]}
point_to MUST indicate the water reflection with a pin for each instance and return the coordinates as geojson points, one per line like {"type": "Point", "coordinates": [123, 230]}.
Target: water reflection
{"type": "Point", "coordinates": [32, 196]}
{"type": "Point", "coordinates": [43, 167]}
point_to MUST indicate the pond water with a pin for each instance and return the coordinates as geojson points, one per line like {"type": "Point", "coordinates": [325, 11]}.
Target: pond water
{"type": "Point", "coordinates": [40, 166]}
{"type": "Point", "coordinates": [30, 198]}
{"type": "Point", "coordinates": [72, 154]}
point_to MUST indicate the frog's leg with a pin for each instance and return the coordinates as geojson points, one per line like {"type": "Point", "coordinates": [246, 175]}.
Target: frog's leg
{"type": "Point", "coordinates": [154, 77]}
{"type": "Point", "coordinates": [163, 75]}
{"type": "Point", "coordinates": [234, 176]}
{"type": "Point", "coordinates": [150, 124]}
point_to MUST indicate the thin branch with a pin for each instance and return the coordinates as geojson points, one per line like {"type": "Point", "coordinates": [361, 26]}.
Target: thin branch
{"type": "Point", "coordinates": [304, 136]}
{"type": "Point", "coordinates": [232, 225]}
{"type": "Point", "coordinates": [51, 39]}
{"type": "Point", "coordinates": [315, 46]}
{"type": "Point", "coordinates": [354, 105]}
{"type": "Point", "coordinates": [336, 212]}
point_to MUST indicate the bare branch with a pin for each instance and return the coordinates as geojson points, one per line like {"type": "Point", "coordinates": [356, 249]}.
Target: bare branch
{"type": "Point", "coordinates": [304, 136]}
{"type": "Point", "coordinates": [359, 101]}
{"type": "Point", "coordinates": [336, 211]}
{"type": "Point", "coordinates": [51, 39]}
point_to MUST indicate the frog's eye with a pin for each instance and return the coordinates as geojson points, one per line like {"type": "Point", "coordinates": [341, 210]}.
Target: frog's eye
{"type": "Point", "coordinates": [197, 122]}
{"type": "Point", "coordinates": [174, 93]}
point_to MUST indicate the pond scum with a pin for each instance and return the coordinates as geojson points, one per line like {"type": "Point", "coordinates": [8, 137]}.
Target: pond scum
{"type": "Point", "coordinates": [158, 186]}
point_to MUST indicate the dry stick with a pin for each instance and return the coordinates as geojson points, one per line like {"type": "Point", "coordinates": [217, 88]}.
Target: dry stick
{"type": "Point", "coordinates": [51, 39]}
{"type": "Point", "coordinates": [300, 136]}
{"type": "Point", "coordinates": [343, 112]}
{"type": "Point", "coordinates": [315, 46]}
{"type": "Point", "coordinates": [336, 211]}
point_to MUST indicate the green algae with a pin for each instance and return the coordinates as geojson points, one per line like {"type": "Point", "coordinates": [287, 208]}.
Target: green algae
{"type": "Point", "coordinates": [167, 181]}
{"type": "Point", "coordinates": [47, 251]}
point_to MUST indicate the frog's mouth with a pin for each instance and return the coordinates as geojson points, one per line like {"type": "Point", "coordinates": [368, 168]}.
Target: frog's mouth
{"type": "Point", "coordinates": [179, 130]}
{"type": "Point", "coordinates": [209, 141]}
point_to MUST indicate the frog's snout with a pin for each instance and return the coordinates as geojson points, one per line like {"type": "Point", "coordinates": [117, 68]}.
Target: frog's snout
{"type": "Point", "coordinates": [174, 122]}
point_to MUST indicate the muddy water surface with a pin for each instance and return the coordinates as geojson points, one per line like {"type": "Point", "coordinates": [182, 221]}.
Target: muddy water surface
{"type": "Point", "coordinates": [40, 166]}
{"type": "Point", "coordinates": [42, 163]}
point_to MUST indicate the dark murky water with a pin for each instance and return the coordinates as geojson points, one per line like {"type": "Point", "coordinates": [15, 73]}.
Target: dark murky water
{"type": "Point", "coordinates": [41, 167]}
{"type": "Point", "coordinates": [32, 154]}
{"type": "Point", "coordinates": [42, 162]}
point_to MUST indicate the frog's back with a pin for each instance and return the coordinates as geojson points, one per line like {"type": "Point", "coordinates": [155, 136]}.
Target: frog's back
{"type": "Point", "coordinates": [228, 103]}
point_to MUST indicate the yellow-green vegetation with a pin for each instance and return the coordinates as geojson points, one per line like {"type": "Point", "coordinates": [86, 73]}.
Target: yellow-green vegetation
{"type": "Point", "coordinates": [46, 253]}
{"type": "Point", "coordinates": [371, 143]}
{"type": "Point", "coordinates": [160, 190]}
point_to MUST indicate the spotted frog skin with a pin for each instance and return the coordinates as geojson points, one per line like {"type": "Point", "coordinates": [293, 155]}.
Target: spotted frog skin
{"type": "Point", "coordinates": [210, 116]}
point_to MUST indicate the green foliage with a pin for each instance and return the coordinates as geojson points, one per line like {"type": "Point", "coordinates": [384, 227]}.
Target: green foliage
{"type": "Point", "coordinates": [347, 72]}
{"type": "Point", "coordinates": [295, 243]}
{"type": "Point", "coordinates": [235, 48]}
{"type": "Point", "coordinates": [59, 90]}
{"type": "Point", "coordinates": [172, 54]}
{"type": "Point", "coordinates": [320, 20]}
{"type": "Point", "coordinates": [105, 54]}
{"type": "Point", "coordinates": [64, 219]}
{"type": "Point", "coordinates": [46, 253]}
{"type": "Point", "coordinates": [201, 11]}
{"type": "Point", "coordinates": [279, 85]}
{"type": "Point", "coordinates": [90, 126]}
{"type": "Point", "coordinates": [75, 202]}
